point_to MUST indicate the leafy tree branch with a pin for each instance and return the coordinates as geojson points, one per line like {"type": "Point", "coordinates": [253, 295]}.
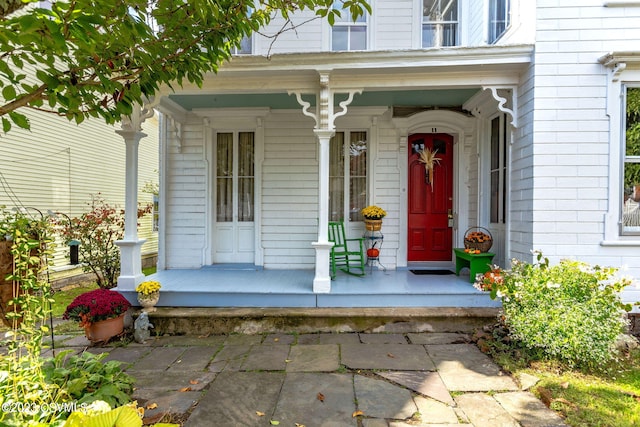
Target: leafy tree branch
{"type": "Point", "coordinates": [99, 58]}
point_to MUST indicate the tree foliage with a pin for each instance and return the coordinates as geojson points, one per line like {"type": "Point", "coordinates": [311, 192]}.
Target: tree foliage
{"type": "Point", "coordinates": [98, 58]}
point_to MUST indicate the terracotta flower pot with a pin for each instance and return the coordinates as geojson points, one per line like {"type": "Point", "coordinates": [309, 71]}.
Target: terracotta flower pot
{"type": "Point", "coordinates": [105, 329]}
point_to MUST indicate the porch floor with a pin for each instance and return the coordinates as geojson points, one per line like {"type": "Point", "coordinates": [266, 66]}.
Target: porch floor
{"type": "Point", "coordinates": [238, 286]}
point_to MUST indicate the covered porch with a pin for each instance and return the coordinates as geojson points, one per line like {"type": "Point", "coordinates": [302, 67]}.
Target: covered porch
{"type": "Point", "coordinates": [234, 285]}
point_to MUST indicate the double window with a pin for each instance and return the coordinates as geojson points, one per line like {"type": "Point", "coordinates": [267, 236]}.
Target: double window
{"type": "Point", "coordinates": [631, 162]}
{"type": "Point", "coordinates": [348, 175]}
{"type": "Point", "coordinates": [347, 34]}
{"type": "Point", "coordinates": [439, 23]}
{"type": "Point", "coordinates": [499, 18]}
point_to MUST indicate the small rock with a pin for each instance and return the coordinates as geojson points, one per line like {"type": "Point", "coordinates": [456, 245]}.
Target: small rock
{"type": "Point", "coordinates": [627, 342]}
{"type": "Point", "coordinates": [527, 381]}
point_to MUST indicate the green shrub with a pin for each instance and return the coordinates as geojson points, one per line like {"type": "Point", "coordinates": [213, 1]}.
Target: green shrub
{"type": "Point", "coordinates": [571, 311]}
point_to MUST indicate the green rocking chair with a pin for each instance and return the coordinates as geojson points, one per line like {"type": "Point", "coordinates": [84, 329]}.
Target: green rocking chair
{"type": "Point", "coordinates": [346, 254]}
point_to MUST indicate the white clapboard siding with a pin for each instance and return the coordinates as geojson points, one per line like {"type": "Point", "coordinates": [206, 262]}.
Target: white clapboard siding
{"type": "Point", "coordinates": [59, 165]}
{"type": "Point", "coordinates": [394, 24]}
{"type": "Point", "coordinates": [570, 126]}
{"type": "Point", "coordinates": [185, 205]}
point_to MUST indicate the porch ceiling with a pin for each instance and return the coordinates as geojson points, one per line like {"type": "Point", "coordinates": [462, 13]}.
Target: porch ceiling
{"type": "Point", "coordinates": [442, 78]}
{"type": "Point", "coordinates": [415, 98]}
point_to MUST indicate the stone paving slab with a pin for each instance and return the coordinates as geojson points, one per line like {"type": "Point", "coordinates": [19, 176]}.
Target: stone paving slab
{"type": "Point", "coordinates": [383, 339]}
{"type": "Point", "coordinates": [172, 381]}
{"type": "Point", "coordinates": [158, 359]}
{"type": "Point", "coordinates": [434, 412]}
{"type": "Point", "coordinates": [243, 340]}
{"type": "Point", "coordinates": [266, 358]}
{"type": "Point", "coordinates": [230, 358]}
{"type": "Point", "coordinates": [463, 367]}
{"type": "Point", "coordinates": [439, 338]}
{"type": "Point", "coordinates": [128, 356]}
{"type": "Point", "coordinates": [528, 410]}
{"type": "Point", "coordinates": [188, 340]}
{"type": "Point", "coordinates": [326, 338]}
{"type": "Point", "coordinates": [237, 399]}
{"type": "Point", "coordinates": [394, 357]}
{"type": "Point", "coordinates": [194, 359]}
{"type": "Point", "coordinates": [316, 399]}
{"type": "Point", "coordinates": [379, 399]}
{"type": "Point", "coordinates": [314, 358]}
{"type": "Point", "coordinates": [484, 411]}
{"type": "Point", "coordinates": [282, 339]}
{"type": "Point", "coordinates": [166, 402]}
{"type": "Point", "coordinates": [426, 383]}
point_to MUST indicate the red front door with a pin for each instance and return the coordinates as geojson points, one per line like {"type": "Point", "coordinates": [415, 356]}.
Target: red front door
{"type": "Point", "coordinates": [430, 199]}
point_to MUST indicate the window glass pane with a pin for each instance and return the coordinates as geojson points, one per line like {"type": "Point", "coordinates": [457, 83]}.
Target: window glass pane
{"type": "Point", "coordinates": [499, 18]}
{"type": "Point", "coordinates": [336, 177]}
{"type": "Point", "coordinates": [340, 38]}
{"type": "Point", "coordinates": [245, 176]}
{"type": "Point", "coordinates": [357, 175]}
{"type": "Point", "coordinates": [358, 38]}
{"type": "Point", "coordinates": [224, 177]}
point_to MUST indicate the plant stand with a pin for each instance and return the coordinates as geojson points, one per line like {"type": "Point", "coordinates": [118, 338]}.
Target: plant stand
{"type": "Point", "coordinates": [477, 263]}
{"type": "Point", "coordinates": [373, 239]}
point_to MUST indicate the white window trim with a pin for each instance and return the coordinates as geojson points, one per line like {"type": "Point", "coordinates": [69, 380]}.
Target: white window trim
{"type": "Point", "coordinates": [461, 31]}
{"type": "Point", "coordinates": [624, 69]}
{"type": "Point", "coordinates": [327, 32]}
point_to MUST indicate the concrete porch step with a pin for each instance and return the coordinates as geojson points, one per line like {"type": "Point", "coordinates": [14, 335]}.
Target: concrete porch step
{"type": "Point", "coordinates": [213, 320]}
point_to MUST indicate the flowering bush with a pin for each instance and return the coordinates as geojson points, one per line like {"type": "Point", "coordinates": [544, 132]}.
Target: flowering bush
{"type": "Point", "coordinates": [97, 231]}
{"type": "Point", "coordinates": [570, 311]}
{"type": "Point", "coordinates": [96, 305]}
{"type": "Point", "coordinates": [148, 287]}
{"type": "Point", "coordinates": [373, 212]}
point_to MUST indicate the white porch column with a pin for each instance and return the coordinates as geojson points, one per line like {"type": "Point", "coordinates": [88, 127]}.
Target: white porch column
{"type": "Point", "coordinates": [324, 117]}
{"type": "Point", "coordinates": [322, 279]}
{"type": "Point", "coordinates": [130, 246]}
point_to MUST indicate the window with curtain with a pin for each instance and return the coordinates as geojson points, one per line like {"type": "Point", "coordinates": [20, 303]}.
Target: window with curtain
{"type": "Point", "coordinates": [348, 175]}
{"type": "Point", "coordinates": [498, 169]}
{"type": "Point", "coordinates": [631, 165]}
{"type": "Point", "coordinates": [439, 23]}
{"type": "Point", "coordinates": [347, 34]}
{"type": "Point", "coordinates": [499, 18]}
{"type": "Point", "coordinates": [235, 176]}
{"type": "Point", "coordinates": [245, 176]}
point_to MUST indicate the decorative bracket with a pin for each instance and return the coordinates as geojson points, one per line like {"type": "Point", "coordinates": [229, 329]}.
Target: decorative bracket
{"type": "Point", "coordinates": [513, 112]}
{"type": "Point", "coordinates": [324, 115]}
{"type": "Point", "coordinates": [175, 127]}
{"type": "Point", "coordinates": [133, 122]}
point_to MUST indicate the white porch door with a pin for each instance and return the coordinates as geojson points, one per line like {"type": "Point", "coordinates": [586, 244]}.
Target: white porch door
{"type": "Point", "coordinates": [234, 179]}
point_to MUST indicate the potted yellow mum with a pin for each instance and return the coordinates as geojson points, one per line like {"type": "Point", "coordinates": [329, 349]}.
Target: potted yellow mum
{"type": "Point", "coordinates": [373, 217]}
{"type": "Point", "coordinates": [148, 294]}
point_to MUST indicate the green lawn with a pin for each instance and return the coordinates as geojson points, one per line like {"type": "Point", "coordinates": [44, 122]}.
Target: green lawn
{"type": "Point", "coordinates": [609, 398]}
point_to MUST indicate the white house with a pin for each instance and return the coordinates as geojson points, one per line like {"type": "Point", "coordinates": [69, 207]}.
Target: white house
{"type": "Point", "coordinates": [524, 102]}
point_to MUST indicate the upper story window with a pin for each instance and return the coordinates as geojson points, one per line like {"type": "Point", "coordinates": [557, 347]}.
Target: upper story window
{"type": "Point", "coordinates": [631, 162]}
{"type": "Point", "coordinates": [245, 46]}
{"type": "Point", "coordinates": [348, 175]}
{"type": "Point", "coordinates": [347, 34]}
{"type": "Point", "coordinates": [439, 23]}
{"type": "Point", "coordinates": [499, 18]}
